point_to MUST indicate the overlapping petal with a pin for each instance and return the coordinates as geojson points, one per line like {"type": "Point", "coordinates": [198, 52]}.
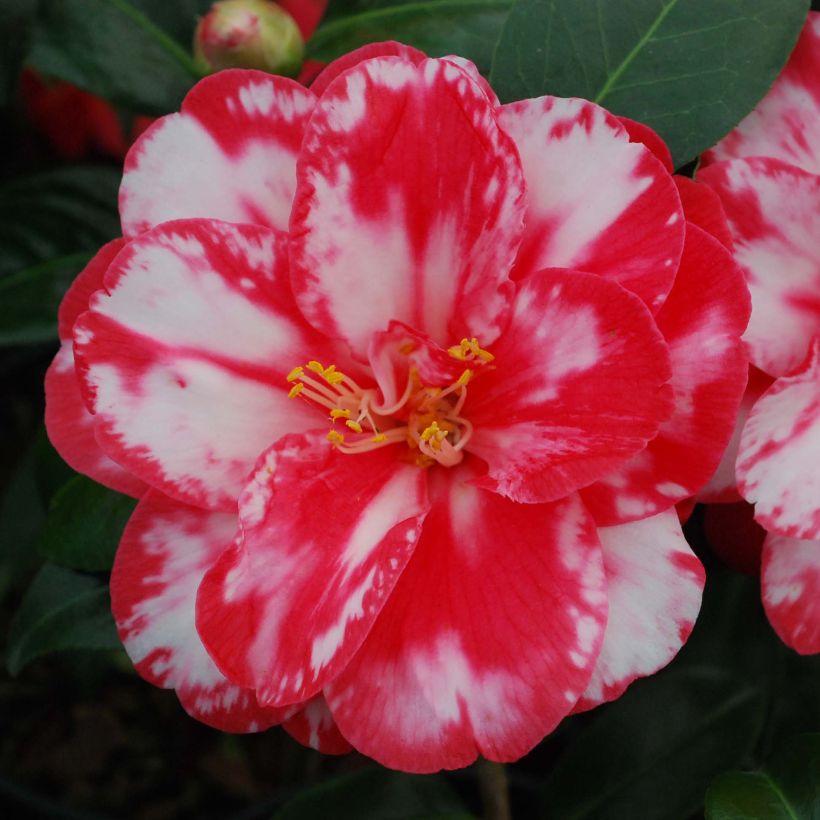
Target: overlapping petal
{"type": "Point", "coordinates": [654, 586]}
{"type": "Point", "coordinates": [790, 581]}
{"type": "Point", "coordinates": [596, 201]}
{"type": "Point", "coordinates": [488, 639]}
{"type": "Point", "coordinates": [702, 207]}
{"type": "Point", "coordinates": [786, 123]}
{"type": "Point", "coordinates": [774, 217]}
{"type": "Point", "coordinates": [777, 465]}
{"type": "Point", "coordinates": [702, 321]}
{"type": "Point", "coordinates": [314, 727]}
{"type": "Point", "coordinates": [230, 153]}
{"type": "Point", "coordinates": [325, 537]}
{"type": "Point", "coordinates": [578, 387]}
{"type": "Point", "coordinates": [164, 552]}
{"type": "Point", "coordinates": [183, 357]}
{"type": "Point", "coordinates": [409, 206]}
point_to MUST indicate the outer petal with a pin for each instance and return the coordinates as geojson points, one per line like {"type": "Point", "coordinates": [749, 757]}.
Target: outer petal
{"type": "Point", "coordinates": [184, 355]}
{"type": "Point", "coordinates": [325, 538]}
{"type": "Point", "coordinates": [230, 154]}
{"type": "Point", "coordinates": [597, 202]}
{"type": "Point", "coordinates": [164, 552]}
{"type": "Point", "coordinates": [786, 122]}
{"type": "Point", "coordinates": [579, 386]}
{"type": "Point", "coordinates": [654, 587]}
{"type": "Point", "coordinates": [790, 582]}
{"type": "Point", "coordinates": [306, 13]}
{"type": "Point", "coordinates": [390, 48]}
{"type": "Point", "coordinates": [702, 322]}
{"type": "Point", "coordinates": [638, 132]}
{"type": "Point", "coordinates": [722, 486]}
{"type": "Point", "coordinates": [425, 198]}
{"type": "Point", "coordinates": [314, 727]}
{"type": "Point", "coordinates": [774, 215]}
{"type": "Point", "coordinates": [702, 206]}
{"type": "Point", "coordinates": [777, 465]}
{"type": "Point", "coordinates": [488, 639]}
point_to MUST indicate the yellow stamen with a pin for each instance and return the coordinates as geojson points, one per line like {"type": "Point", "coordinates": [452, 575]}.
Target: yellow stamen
{"type": "Point", "coordinates": [338, 413]}
{"type": "Point", "coordinates": [464, 378]}
{"type": "Point", "coordinates": [295, 390]}
{"type": "Point", "coordinates": [335, 437]}
{"type": "Point", "coordinates": [354, 426]}
{"type": "Point", "coordinates": [296, 373]}
{"type": "Point", "coordinates": [333, 377]}
{"type": "Point", "coordinates": [316, 367]}
{"type": "Point", "coordinates": [379, 438]}
{"type": "Point", "coordinates": [458, 351]}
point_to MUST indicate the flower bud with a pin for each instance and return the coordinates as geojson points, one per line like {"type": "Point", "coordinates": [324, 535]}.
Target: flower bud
{"type": "Point", "coordinates": [248, 34]}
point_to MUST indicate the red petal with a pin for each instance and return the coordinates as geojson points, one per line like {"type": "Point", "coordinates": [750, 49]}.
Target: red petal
{"type": "Point", "coordinates": [306, 13]}
{"type": "Point", "coordinates": [164, 552]}
{"type": "Point", "coordinates": [325, 538]}
{"type": "Point", "coordinates": [184, 357]}
{"type": "Point", "coordinates": [314, 727]}
{"type": "Point", "coordinates": [370, 51]}
{"type": "Point", "coordinates": [578, 387]}
{"type": "Point", "coordinates": [774, 216]}
{"type": "Point", "coordinates": [638, 132]}
{"type": "Point", "coordinates": [777, 464]}
{"type": "Point", "coordinates": [408, 208]}
{"type": "Point", "coordinates": [702, 321]}
{"type": "Point", "coordinates": [702, 206]}
{"type": "Point", "coordinates": [597, 202]}
{"type": "Point", "coordinates": [488, 639]}
{"type": "Point", "coordinates": [785, 124]}
{"type": "Point", "coordinates": [229, 154]}
{"type": "Point", "coordinates": [654, 587]}
{"type": "Point", "coordinates": [791, 591]}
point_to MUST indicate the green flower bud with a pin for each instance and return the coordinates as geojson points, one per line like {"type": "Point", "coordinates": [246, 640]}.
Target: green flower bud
{"type": "Point", "coordinates": [248, 34]}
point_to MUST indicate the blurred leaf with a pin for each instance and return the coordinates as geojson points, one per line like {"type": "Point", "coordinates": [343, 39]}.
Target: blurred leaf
{"type": "Point", "coordinates": [177, 18]}
{"type": "Point", "coordinates": [469, 28]}
{"type": "Point", "coordinates": [55, 213]}
{"type": "Point", "coordinates": [84, 525]}
{"type": "Point", "coordinates": [110, 48]}
{"type": "Point", "coordinates": [16, 22]}
{"type": "Point", "coordinates": [50, 471]}
{"type": "Point", "coordinates": [29, 299]}
{"type": "Point", "coordinates": [691, 69]}
{"type": "Point", "coordinates": [787, 789]}
{"type": "Point", "coordinates": [377, 794]}
{"type": "Point", "coordinates": [61, 610]}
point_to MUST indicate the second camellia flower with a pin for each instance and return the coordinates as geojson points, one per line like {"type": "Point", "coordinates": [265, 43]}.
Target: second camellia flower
{"type": "Point", "coordinates": [525, 353]}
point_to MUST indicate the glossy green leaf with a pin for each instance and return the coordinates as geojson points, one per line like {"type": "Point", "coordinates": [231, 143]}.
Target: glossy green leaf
{"type": "Point", "coordinates": [62, 609]}
{"type": "Point", "coordinates": [691, 69]}
{"type": "Point", "coordinates": [377, 794]}
{"type": "Point", "coordinates": [16, 23]}
{"type": "Point", "coordinates": [84, 524]}
{"type": "Point", "coordinates": [469, 28]}
{"type": "Point", "coordinates": [110, 48]}
{"type": "Point", "coordinates": [787, 789]}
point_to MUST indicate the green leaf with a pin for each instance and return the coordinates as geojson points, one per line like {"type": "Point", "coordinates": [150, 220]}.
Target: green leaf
{"type": "Point", "coordinates": [61, 610]}
{"type": "Point", "coordinates": [16, 22]}
{"type": "Point", "coordinates": [651, 754]}
{"type": "Point", "coordinates": [377, 794]}
{"type": "Point", "coordinates": [691, 69]}
{"type": "Point", "coordinates": [787, 789]}
{"type": "Point", "coordinates": [110, 48]}
{"type": "Point", "coordinates": [178, 19]}
{"type": "Point", "coordinates": [468, 28]}
{"type": "Point", "coordinates": [84, 525]}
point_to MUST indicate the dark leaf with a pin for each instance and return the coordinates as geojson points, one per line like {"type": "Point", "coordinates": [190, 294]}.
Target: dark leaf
{"type": "Point", "coordinates": [691, 69]}
{"type": "Point", "coordinates": [16, 22]}
{"type": "Point", "coordinates": [84, 524]}
{"type": "Point", "coordinates": [62, 609]}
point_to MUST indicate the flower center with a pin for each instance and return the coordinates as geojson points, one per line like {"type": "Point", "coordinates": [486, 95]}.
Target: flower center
{"type": "Point", "coordinates": [427, 419]}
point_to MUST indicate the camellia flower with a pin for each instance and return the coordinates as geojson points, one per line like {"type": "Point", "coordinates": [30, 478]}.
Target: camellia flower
{"type": "Point", "coordinates": [409, 383]}
{"type": "Point", "coordinates": [767, 174]}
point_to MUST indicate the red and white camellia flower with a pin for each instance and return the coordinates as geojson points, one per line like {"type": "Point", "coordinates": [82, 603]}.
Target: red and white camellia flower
{"type": "Point", "coordinates": [409, 383]}
{"type": "Point", "coordinates": [767, 174]}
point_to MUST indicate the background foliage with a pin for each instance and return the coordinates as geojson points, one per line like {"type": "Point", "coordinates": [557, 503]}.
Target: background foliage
{"type": "Point", "coordinates": [726, 729]}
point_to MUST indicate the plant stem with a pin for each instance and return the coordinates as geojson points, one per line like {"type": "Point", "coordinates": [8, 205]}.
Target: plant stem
{"type": "Point", "coordinates": [495, 792]}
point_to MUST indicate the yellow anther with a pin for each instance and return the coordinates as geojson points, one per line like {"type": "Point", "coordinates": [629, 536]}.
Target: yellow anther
{"type": "Point", "coordinates": [296, 373]}
{"type": "Point", "coordinates": [407, 348]}
{"type": "Point", "coordinates": [333, 377]}
{"type": "Point", "coordinates": [354, 425]}
{"type": "Point", "coordinates": [296, 390]}
{"type": "Point", "coordinates": [457, 352]}
{"type": "Point", "coordinates": [464, 378]}
{"type": "Point", "coordinates": [338, 413]}
{"type": "Point", "coordinates": [316, 367]}
{"type": "Point", "coordinates": [378, 439]}
{"type": "Point", "coordinates": [335, 437]}
{"type": "Point", "coordinates": [467, 347]}
{"type": "Point", "coordinates": [477, 350]}
{"type": "Point", "coordinates": [434, 434]}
